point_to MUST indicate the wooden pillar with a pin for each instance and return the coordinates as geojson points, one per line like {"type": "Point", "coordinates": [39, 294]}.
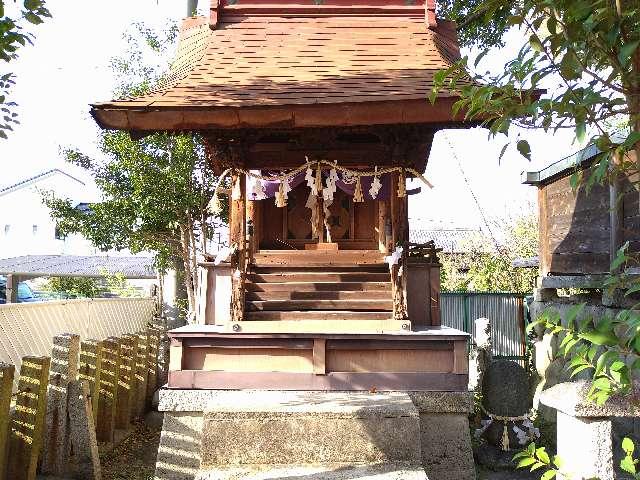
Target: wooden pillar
{"type": "Point", "coordinates": [108, 389]}
{"type": "Point", "coordinates": [382, 225]}
{"type": "Point", "coordinates": [153, 345]}
{"type": "Point", "coordinates": [126, 382]}
{"type": "Point", "coordinates": [320, 225]}
{"type": "Point", "coordinates": [27, 421]}
{"type": "Point", "coordinates": [253, 218]}
{"type": "Point", "coordinates": [142, 373]}
{"type": "Point", "coordinates": [56, 449]}
{"type": "Point", "coordinates": [398, 222]}
{"type": "Point", "coordinates": [543, 238]}
{"type": "Point", "coordinates": [7, 372]}
{"type": "Point", "coordinates": [616, 214]}
{"type": "Point", "coordinates": [238, 237]}
{"type": "Point", "coordinates": [89, 371]}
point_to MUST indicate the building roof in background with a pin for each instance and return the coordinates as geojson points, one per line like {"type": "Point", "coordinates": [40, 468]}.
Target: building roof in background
{"type": "Point", "coordinates": [449, 240]}
{"type": "Point", "coordinates": [567, 165]}
{"type": "Point", "coordinates": [31, 180]}
{"type": "Point", "coordinates": [77, 266]}
{"type": "Point", "coordinates": [526, 262]}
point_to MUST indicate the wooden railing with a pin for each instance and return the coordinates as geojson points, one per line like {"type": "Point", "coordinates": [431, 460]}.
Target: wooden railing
{"type": "Point", "coordinates": [68, 402]}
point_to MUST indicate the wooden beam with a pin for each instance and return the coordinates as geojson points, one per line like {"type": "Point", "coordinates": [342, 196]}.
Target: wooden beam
{"type": "Point", "coordinates": [319, 356]}
{"type": "Point", "coordinates": [332, 381]}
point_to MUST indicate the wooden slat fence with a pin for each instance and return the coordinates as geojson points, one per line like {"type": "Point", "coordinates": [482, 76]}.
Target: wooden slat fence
{"type": "Point", "coordinates": [80, 394]}
{"type": "Point", "coordinates": [28, 328]}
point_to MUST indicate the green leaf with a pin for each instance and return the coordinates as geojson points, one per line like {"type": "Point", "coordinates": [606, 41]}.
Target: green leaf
{"type": "Point", "coordinates": [32, 18]}
{"type": "Point", "coordinates": [581, 131]}
{"type": "Point", "coordinates": [627, 50]}
{"type": "Point", "coordinates": [548, 475]}
{"type": "Point", "coordinates": [628, 446]}
{"type": "Point", "coordinates": [525, 462]}
{"type": "Point", "coordinates": [524, 148]}
{"type": "Point", "coordinates": [573, 313]}
{"type": "Point", "coordinates": [628, 465]}
{"type": "Point", "coordinates": [599, 338]}
{"type": "Point", "coordinates": [542, 454]}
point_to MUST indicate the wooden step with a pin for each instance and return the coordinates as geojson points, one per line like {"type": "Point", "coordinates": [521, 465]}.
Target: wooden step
{"type": "Point", "coordinates": [318, 295]}
{"type": "Point", "coordinates": [351, 268]}
{"type": "Point", "coordinates": [362, 305]}
{"type": "Point", "coordinates": [318, 277]}
{"type": "Point", "coordinates": [319, 286]}
{"type": "Point", "coordinates": [318, 257]}
{"type": "Point", "coordinates": [316, 315]}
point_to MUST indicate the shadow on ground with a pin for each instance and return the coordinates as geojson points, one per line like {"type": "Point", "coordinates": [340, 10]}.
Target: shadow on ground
{"type": "Point", "coordinates": [135, 457]}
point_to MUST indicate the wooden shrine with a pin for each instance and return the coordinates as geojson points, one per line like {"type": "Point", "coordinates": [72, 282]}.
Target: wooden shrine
{"type": "Point", "coordinates": [315, 114]}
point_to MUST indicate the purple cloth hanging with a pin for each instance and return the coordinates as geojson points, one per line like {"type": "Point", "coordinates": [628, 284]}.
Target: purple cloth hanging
{"type": "Point", "coordinates": [271, 188]}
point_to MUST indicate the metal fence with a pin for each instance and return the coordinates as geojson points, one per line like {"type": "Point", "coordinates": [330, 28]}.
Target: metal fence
{"type": "Point", "coordinates": [29, 328]}
{"type": "Point", "coordinates": [505, 310]}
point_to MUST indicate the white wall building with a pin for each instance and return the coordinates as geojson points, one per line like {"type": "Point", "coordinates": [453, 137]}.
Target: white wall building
{"type": "Point", "coordinates": [26, 225]}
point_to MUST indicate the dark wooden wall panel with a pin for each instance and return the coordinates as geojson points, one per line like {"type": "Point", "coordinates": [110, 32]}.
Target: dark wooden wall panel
{"type": "Point", "coordinates": [576, 226]}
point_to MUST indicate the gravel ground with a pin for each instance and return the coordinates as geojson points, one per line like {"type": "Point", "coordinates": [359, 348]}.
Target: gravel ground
{"type": "Point", "coordinates": [135, 457]}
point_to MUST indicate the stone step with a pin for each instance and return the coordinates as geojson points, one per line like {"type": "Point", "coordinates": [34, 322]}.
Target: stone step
{"type": "Point", "coordinates": [323, 472]}
{"type": "Point", "coordinates": [310, 428]}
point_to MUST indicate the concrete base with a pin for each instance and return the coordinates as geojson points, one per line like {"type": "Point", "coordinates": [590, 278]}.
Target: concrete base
{"type": "Point", "coordinates": [326, 472]}
{"type": "Point", "coordinates": [334, 435]}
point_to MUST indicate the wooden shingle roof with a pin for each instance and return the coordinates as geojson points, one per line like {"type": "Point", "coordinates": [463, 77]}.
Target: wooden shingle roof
{"type": "Point", "coordinates": [258, 67]}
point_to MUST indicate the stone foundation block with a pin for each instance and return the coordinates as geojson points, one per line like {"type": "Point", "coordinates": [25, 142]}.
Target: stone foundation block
{"type": "Point", "coordinates": [311, 428]}
{"type": "Point", "coordinates": [444, 434]}
{"type": "Point", "coordinates": [179, 452]}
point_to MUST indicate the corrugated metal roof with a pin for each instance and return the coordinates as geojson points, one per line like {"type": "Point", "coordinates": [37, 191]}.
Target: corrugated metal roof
{"type": "Point", "coordinates": [77, 266]}
{"type": "Point", "coordinates": [449, 240]}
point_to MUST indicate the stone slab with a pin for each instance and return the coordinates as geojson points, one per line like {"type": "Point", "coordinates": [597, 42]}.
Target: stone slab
{"type": "Point", "coordinates": [443, 402]}
{"type": "Point", "coordinates": [326, 472]}
{"type": "Point", "coordinates": [571, 399]}
{"type": "Point", "coordinates": [304, 402]}
{"type": "Point", "coordinates": [310, 428]}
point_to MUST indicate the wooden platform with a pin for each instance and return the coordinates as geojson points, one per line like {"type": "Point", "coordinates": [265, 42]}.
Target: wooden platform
{"type": "Point", "coordinates": [208, 357]}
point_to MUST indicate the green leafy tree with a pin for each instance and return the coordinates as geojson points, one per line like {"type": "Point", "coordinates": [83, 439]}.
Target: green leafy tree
{"type": "Point", "coordinates": [73, 287]}
{"type": "Point", "coordinates": [156, 189]}
{"type": "Point", "coordinates": [485, 267]}
{"type": "Point", "coordinates": [578, 68]}
{"type": "Point", "coordinates": [583, 52]}
{"type": "Point", "coordinates": [14, 16]}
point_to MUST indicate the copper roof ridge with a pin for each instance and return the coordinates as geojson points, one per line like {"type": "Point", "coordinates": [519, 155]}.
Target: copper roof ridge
{"type": "Point", "coordinates": [346, 8]}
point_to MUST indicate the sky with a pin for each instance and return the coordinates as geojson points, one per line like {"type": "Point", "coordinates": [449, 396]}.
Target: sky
{"type": "Point", "coordinates": [68, 68]}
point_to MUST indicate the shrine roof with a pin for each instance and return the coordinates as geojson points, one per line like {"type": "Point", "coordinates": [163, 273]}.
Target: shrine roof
{"type": "Point", "coordinates": [262, 65]}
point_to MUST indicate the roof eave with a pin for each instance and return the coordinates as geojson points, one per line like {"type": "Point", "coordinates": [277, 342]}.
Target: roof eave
{"type": "Point", "coordinates": [148, 118]}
